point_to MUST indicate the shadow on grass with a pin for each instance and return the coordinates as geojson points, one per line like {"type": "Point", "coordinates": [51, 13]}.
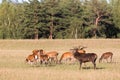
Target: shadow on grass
{"type": "Point", "coordinates": [43, 65]}
{"type": "Point", "coordinates": [114, 62]}
{"type": "Point", "coordinates": [98, 68]}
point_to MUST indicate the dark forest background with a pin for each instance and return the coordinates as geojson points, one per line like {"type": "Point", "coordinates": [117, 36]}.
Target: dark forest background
{"type": "Point", "coordinates": [59, 19]}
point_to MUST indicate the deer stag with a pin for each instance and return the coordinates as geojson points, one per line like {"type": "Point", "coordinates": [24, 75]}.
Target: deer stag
{"type": "Point", "coordinates": [83, 58]}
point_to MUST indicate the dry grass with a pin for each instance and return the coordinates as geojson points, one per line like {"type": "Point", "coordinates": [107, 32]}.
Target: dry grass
{"type": "Point", "coordinates": [13, 67]}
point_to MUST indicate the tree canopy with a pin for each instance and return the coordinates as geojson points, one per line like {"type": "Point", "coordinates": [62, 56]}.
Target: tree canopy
{"type": "Point", "coordinates": [59, 19]}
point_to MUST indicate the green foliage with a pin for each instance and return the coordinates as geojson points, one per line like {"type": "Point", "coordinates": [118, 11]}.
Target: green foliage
{"type": "Point", "coordinates": [10, 20]}
{"type": "Point", "coordinates": [116, 15]}
{"type": "Point", "coordinates": [59, 19]}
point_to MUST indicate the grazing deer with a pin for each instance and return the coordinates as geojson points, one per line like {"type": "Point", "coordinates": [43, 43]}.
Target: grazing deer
{"type": "Point", "coordinates": [106, 56]}
{"type": "Point", "coordinates": [67, 56]}
{"type": "Point", "coordinates": [36, 54]}
{"type": "Point", "coordinates": [37, 57]}
{"type": "Point", "coordinates": [30, 59]}
{"type": "Point", "coordinates": [52, 55]}
{"type": "Point", "coordinates": [44, 59]}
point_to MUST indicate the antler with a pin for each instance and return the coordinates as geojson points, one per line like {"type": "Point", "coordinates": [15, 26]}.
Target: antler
{"type": "Point", "coordinates": [81, 47]}
{"type": "Point", "coordinates": [74, 48]}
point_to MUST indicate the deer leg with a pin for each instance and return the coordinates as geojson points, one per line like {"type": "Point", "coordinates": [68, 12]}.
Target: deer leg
{"type": "Point", "coordinates": [107, 60]}
{"type": "Point", "coordinates": [94, 64]}
{"type": "Point", "coordinates": [80, 65]}
{"type": "Point", "coordinates": [41, 61]}
{"type": "Point", "coordinates": [85, 65]}
{"type": "Point", "coordinates": [111, 59]}
{"type": "Point", "coordinates": [100, 60]}
{"type": "Point", "coordinates": [56, 60]}
{"type": "Point", "coordinates": [51, 59]}
{"type": "Point", "coordinates": [70, 60]}
{"type": "Point", "coordinates": [66, 60]}
{"type": "Point", "coordinates": [48, 60]}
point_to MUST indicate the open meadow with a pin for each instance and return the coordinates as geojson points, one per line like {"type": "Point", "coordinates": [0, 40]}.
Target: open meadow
{"type": "Point", "coordinates": [14, 52]}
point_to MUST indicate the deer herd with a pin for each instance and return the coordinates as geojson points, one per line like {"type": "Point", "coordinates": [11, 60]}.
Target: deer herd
{"type": "Point", "coordinates": [77, 54]}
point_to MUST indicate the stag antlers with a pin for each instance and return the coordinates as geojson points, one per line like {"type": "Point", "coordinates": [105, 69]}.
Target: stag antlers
{"type": "Point", "coordinates": [81, 47]}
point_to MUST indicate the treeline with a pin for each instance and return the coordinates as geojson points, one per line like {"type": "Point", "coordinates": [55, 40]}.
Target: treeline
{"type": "Point", "coordinates": [59, 19]}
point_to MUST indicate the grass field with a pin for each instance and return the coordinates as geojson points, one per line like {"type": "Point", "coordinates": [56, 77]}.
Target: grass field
{"type": "Point", "coordinates": [14, 52]}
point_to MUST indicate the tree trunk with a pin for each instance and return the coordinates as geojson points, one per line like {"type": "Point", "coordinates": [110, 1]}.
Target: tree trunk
{"type": "Point", "coordinates": [51, 28]}
{"type": "Point", "coordinates": [50, 36]}
{"type": "Point", "coordinates": [96, 27]}
{"type": "Point", "coordinates": [35, 22]}
{"type": "Point", "coordinates": [76, 34]}
{"type": "Point", "coordinates": [36, 34]}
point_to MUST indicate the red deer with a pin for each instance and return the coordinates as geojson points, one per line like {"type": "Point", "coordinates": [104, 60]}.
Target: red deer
{"type": "Point", "coordinates": [41, 56]}
{"type": "Point", "coordinates": [31, 59]}
{"type": "Point", "coordinates": [42, 51]}
{"type": "Point", "coordinates": [81, 49]}
{"type": "Point", "coordinates": [53, 56]}
{"type": "Point", "coordinates": [66, 56]}
{"type": "Point", "coordinates": [36, 56]}
{"type": "Point", "coordinates": [44, 58]}
{"type": "Point", "coordinates": [69, 55]}
{"type": "Point", "coordinates": [106, 56]}
{"type": "Point", "coordinates": [35, 51]}
{"type": "Point", "coordinates": [83, 58]}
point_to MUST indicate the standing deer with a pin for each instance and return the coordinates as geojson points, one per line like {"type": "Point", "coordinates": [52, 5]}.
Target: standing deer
{"type": "Point", "coordinates": [69, 55]}
{"type": "Point", "coordinates": [52, 55]}
{"type": "Point", "coordinates": [83, 58]}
